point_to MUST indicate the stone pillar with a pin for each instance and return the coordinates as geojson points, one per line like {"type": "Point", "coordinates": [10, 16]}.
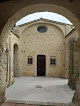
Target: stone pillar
{"type": "Point", "coordinates": [76, 67]}
{"type": "Point", "coordinates": [76, 98]}
{"type": "Point", "coordinates": [10, 62]}
{"type": "Point", "coordinates": [3, 64]}
{"type": "Point", "coordinates": [71, 64]}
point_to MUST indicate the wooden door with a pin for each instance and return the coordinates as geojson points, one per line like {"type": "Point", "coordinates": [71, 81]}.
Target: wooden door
{"type": "Point", "coordinates": [41, 65]}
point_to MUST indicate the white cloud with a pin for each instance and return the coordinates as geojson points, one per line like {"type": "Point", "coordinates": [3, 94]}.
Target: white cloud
{"type": "Point", "coordinates": [46, 15]}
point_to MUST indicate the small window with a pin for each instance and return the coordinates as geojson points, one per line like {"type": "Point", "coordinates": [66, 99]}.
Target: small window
{"type": "Point", "coordinates": [30, 60]}
{"type": "Point", "coordinates": [42, 29]}
{"type": "Point", "coordinates": [52, 61]}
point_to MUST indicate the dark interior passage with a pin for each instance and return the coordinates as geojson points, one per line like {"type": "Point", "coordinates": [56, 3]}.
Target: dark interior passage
{"type": "Point", "coordinates": [41, 65]}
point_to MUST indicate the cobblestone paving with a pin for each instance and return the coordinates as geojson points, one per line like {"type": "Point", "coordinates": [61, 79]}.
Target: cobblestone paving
{"type": "Point", "coordinates": [40, 89]}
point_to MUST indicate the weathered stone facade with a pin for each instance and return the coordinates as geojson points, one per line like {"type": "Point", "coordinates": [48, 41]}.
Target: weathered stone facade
{"type": "Point", "coordinates": [54, 43]}
{"type": "Point", "coordinates": [71, 62]}
{"type": "Point", "coordinates": [50, 44]}
{"type": "Point", "coordinates": [20, 45]}
{"type": "Point", "coordinates": [68, 8]}
{"type": "Point", "coordinates": [2, 73]}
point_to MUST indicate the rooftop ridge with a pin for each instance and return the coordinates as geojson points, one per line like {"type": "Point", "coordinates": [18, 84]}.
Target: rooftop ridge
{"type": "Point", "coordinates": [43, 19]}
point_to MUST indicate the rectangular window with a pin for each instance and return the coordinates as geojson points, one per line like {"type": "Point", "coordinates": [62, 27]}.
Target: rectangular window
{"type": "Point", "coordinates": [52, 61]}
{"type": "Point", "coordinates": [30, 61]}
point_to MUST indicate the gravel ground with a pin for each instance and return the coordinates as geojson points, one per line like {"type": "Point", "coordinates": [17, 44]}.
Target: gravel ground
{"type": "Point", "coordinates": [40, 89]}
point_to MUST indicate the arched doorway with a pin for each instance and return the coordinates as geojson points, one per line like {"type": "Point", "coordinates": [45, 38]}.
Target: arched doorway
{"type": "Point", "coordinates": [41, 65]}
{"type": "Point", "coordinates": [14, 18]}
{"type": "Point", "coordinates": [16, 61]}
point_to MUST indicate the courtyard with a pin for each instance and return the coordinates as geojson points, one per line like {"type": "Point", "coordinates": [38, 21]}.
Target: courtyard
{"type": "Point", "coordinates": [39, 90]}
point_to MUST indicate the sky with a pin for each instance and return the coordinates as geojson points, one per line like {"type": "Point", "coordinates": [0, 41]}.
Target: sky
{"type": "Point", "coordinates": [45, 15]}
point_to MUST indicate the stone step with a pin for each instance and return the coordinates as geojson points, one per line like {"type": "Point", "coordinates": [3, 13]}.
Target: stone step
{"type": "Point", "coordinates": [13, 104]}
{"type": "Point", "coordinates": [23, 104]}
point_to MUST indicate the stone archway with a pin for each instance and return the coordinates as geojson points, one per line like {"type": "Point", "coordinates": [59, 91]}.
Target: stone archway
{"type": "Point", "coordinates": [18, 15]}
{"type": "Point", "coordinates": [39, 8]}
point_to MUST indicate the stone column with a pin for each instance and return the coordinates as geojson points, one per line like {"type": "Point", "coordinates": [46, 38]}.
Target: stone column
{"type": "Point", "coordinates": [71, 64]}
{"type": "Point", "coordinates": [3, 66]}
{"type": "Point", "coordinates": [76, 98]}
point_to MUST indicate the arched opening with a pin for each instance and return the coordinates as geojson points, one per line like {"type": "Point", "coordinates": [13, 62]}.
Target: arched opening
{"type": "Point", "coordinates": [16, 60]}
{"type": "Point", "coordinates": [50, 7]}
{"type": "Point", "coordinates": [47, 37]}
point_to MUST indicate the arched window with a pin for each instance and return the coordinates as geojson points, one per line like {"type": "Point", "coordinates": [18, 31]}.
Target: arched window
{"type": "Point", "coordinates": [52, 60]}
{"type": "Point", "coordinates": [30, 60]}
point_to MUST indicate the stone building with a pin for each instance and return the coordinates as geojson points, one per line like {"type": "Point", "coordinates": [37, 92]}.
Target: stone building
{"type": "Point", "coordinates": [9, 16]}
{"type": "Point", "coordinates": [39, 48]}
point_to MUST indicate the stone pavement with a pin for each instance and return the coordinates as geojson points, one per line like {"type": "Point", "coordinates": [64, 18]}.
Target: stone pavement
{"type": "Point", "coordinates": [39, 90]}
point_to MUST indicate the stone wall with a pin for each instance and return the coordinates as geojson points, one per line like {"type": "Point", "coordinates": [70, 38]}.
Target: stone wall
{"type": "Point", "coordinates": [71, 63]}
{"type": "Point", "coordinates": [74, 64]}
{"type": "Point", "coordinates": [72, 57]}
{"type": "Point", "coordinates": [3, 66]}
{"type": "Point", "coordinates": [33, 43]}
{"type": "Point", "coordinates": [76, 98]}
{"type": "Point", "coordinates": [30, 42]}
{"type": "Point", "coordinates": [9, 11]}
{"type": "Point", "coordinates": [11, 41]}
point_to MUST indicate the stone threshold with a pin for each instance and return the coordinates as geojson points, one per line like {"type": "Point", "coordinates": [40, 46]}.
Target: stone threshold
{"type": "Point", "coordinates": [39, 103]}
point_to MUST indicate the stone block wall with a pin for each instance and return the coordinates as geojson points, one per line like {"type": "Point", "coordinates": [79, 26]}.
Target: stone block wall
{"type": "Point", "coordinates": [33, 43]}
{"type": "Point", "coordinates": [71, 63]}
{"type": "Point", "coordinates": [72, 57]}
{"type": "Point", "coordinates": [3, 65]}
{"type": "Point", "coordinates": [54, 44]}
{"type": "Point", "coordinates": [11, 41]}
